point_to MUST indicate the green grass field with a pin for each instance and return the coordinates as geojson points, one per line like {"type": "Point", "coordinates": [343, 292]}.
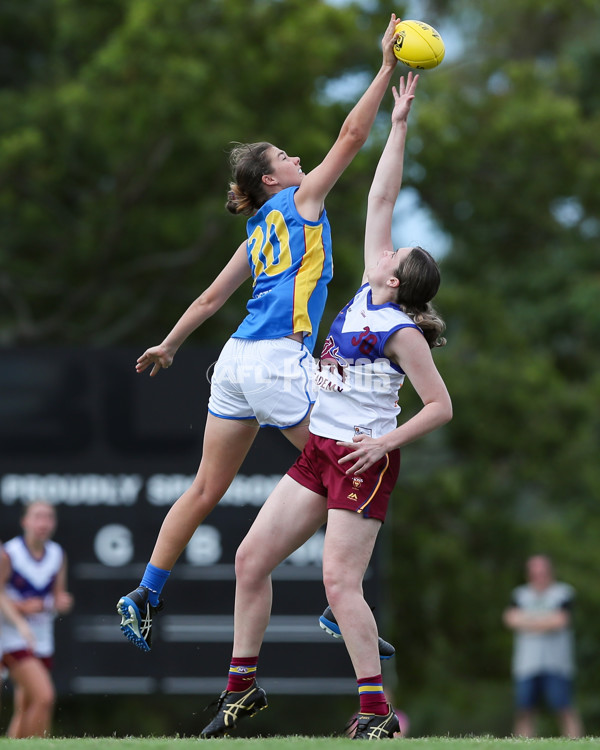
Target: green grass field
{"type": "Point", "coordinates": [293, 743]}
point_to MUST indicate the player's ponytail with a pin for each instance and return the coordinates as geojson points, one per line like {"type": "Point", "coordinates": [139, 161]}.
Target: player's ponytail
{"type": "Point", "coordinates": [419, 278]}
{"type": "Point", "coordinates": [249, 162]}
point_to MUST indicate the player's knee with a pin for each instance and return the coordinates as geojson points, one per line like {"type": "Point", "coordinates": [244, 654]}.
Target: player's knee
{"type": "Point", "coordinates": [45, 697]}
{"type": "Point", "coordinates": [203, 497]}
{"type": "Point", "coordinates": [335, 587]}
{"type": "Point", "coordinates": [47, 704]}
{"type": "Point", "coordinates": [249, 568]}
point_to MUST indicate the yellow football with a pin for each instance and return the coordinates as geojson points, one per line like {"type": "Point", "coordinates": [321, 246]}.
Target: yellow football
{"type": "Point", "coordinates": [418, 45]}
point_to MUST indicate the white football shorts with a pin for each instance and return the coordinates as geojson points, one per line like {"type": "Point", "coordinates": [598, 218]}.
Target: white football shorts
{"type": "Point", "coordinates": [270, 380]}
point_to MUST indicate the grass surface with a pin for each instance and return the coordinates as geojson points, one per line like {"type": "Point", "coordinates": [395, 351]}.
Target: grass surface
{"type": "Point", "coordinates": [292, 743]}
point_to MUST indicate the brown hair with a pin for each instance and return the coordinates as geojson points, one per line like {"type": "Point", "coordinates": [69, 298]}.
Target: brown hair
{"type": "Point", "coordinates": [248, 162]}
{"type": "Point", "coordinates": [419, 278]}
{"type": "Point", "coordinates": [29, 504]}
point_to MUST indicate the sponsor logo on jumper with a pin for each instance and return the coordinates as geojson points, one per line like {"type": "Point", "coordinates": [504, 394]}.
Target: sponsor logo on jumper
{"type": "Point", "coordinates": [353, 496]}
{"type": "Point", "coordinates": [358, 430]}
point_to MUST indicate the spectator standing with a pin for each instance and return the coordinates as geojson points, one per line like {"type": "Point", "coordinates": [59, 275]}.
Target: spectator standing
{"type": "Point", "coordinates": [543, 664]}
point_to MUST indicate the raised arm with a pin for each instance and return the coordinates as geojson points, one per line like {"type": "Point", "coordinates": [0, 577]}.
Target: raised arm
{"type": "Point", "coordinates": [388, 176]}
{"type": "Point", "coordinates": [207, 304]}
{"type": "Point", "coordinates": [353, 135]}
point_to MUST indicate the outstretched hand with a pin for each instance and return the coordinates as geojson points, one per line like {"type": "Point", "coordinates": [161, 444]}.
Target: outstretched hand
{"type": "Point", "coordinates": [403, 96]}
{"type": "Point", "coordinates": [387, 42]}
{"type": "Point", "coordinates": [157, 356]}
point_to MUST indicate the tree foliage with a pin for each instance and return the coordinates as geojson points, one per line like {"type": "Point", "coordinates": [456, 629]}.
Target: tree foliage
{"type": "Point", "coordinates": [115, 122]}
{"type": "Point", "coordinates": [505, 155]}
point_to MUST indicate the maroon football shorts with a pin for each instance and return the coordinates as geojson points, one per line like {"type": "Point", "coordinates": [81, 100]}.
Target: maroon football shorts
{"type": "Point", "coordinates": [11, 658]}
{"type": "Point", "coordinates": [317, 469]}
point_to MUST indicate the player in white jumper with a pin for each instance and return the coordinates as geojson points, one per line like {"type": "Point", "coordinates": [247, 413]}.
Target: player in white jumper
{"type": "Point", "coordinates": [350, 464]}
{"type": "Point", "coordinates": [33, 572]}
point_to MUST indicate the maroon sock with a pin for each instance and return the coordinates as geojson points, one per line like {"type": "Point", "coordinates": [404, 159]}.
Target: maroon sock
{"type": "Point", "coordinates": [242, 673]}
{"type": "Point", "coordinates": [371, 695]}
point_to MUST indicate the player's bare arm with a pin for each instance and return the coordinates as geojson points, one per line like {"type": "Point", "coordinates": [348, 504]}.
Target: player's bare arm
{"type": "Point", "coordinates": [409, 349]}
{"type": "Point", "coordinates": [206, 305]}
{"type": "Point", "coordinates": [388, 176]}
{"type": "Point", "coordinates": [353, 134]}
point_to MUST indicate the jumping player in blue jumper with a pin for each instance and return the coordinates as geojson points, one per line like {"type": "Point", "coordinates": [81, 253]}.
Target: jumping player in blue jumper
{"type": "Point", "coordinates": [288, 255]}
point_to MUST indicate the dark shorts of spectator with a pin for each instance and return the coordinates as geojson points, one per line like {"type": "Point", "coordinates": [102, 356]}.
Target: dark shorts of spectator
{"type": "Point", "coordinates": [553, 689]}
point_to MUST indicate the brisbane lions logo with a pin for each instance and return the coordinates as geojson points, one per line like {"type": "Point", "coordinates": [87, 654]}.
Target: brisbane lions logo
{"type": "Point", "coordinates": [330, 373]}
{"type": "Point", "coordinates": [331, 353]}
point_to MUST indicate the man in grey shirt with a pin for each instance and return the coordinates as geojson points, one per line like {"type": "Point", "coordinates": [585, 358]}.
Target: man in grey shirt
{"type": "Point", "coordinates": [543, 664]}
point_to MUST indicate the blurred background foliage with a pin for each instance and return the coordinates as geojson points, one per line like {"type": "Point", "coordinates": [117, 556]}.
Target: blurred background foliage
{"type": "Point", "coordinates": [116, 117]}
